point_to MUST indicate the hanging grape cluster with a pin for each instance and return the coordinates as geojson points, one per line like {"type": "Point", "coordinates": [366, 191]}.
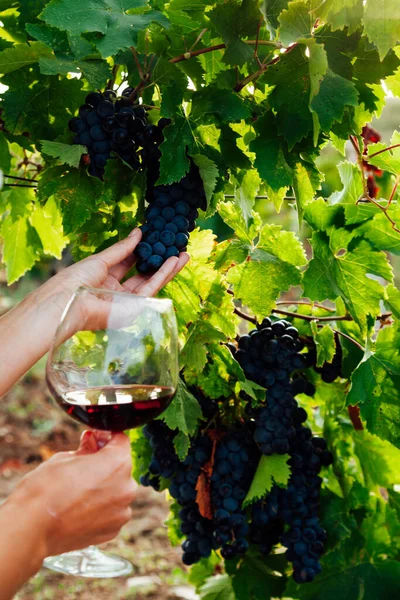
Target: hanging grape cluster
{"type": "Point", "coordinates": [110, 126]}
{"type": "Point", "coordinates": [172, 209]}
{"type": "Point", "coordinates": [212, 482]}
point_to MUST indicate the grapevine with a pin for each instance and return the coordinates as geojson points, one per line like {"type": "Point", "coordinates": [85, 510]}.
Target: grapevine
{"type": "Point", "coordinates": [264, 141]}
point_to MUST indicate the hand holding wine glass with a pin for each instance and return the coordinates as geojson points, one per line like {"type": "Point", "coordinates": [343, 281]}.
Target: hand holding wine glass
{"type": "Point", "coordinates": [113, 366]}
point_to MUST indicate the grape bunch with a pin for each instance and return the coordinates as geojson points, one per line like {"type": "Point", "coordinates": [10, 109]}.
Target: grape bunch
{"type": "Point", "coordinates": [300, 504]}
{"type": "Point", "coordinates": [164, 461]}
{"type": "Point", "coordinates": [212, 482]}
{"type": "Point", "coordinates": [270, 353]}
{"type": "Point", "coordinates": [268, 356]}
{"type": "Point", "coordinates": [236, 460]}
{"type": "Point", "coordinates": [170, 217]}
{"type": "Point", "coordinates": [106, 124]}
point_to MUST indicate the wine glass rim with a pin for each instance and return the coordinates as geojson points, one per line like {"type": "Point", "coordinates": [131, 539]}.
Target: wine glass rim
{"type": "Point", "coordinates": [124, 294]}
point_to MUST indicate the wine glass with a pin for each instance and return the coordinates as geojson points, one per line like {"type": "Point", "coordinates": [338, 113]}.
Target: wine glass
{"type": "Point", "coordinates": [113, 365]}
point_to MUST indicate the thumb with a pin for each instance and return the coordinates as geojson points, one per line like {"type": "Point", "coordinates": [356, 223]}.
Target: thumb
{"type": "Point", "coordinates": [88, 444]}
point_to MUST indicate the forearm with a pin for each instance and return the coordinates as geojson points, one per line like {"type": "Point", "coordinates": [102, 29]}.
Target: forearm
{"type": "Point", "coordinates": [26, 333]}
{"type": "Point", "coordinates": [21, 549]}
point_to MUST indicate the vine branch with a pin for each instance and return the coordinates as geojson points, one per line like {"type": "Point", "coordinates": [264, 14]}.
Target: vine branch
{"type": "Point", "coordinates": [384, 150]}
{"type": "Point", "coordinates": [114, 74]}
{"type": "Point", "coordinates": [304, 303]}
{"type": "Point", "coordinates": [396, 183]}
{"type": "Point", "coordinates": [190, 54]}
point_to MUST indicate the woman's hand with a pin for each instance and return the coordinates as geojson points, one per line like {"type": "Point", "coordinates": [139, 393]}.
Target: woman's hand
{"type": "Point", "coordinates": [107, 269]}
{"type": "Point", "coordinates": [73, 500]}
{"type": "Point", "coordinates": [32, 324]}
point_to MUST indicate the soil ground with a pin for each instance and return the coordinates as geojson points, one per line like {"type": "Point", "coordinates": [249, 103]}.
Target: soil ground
{"type": "Point", "coordinates": [32, 428]}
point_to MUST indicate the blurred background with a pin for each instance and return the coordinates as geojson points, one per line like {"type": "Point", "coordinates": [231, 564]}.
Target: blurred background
{"type": "Point", "coordinates": [32, 428]}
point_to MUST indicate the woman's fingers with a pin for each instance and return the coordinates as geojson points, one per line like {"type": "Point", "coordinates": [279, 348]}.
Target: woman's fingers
{"type": "Point", "coordinates": [115, 256]}
{"type": "Point", "coordinates": [184, 258]}
{"type": "Point", "coordinates": [122, 269]}
{"type": "Point", "coordinates": [149, 285]}
{"type": "Point", "coordinates": [169, 269]}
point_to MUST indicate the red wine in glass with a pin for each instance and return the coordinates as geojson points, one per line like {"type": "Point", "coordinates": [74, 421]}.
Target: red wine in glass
{"type": "Point", "coordinates": [115, 408]}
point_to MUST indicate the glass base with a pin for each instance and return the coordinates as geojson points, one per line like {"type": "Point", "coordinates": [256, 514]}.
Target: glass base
{"type": "Point", "coordinates": [90, 562]}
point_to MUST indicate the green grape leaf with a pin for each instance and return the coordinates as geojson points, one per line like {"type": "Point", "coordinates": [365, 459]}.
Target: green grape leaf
{"type": "Point", "coordinates": [375, 386]}
{"type": "Point", "coordinates": [270, 160]}
{"type": "Point", "coordinates": [350, 579]}
{"type": "Point", "coordinates": [5, 156]}
{"type": "Point", "coordinates": [318, 65]}
{"type": "Point", "coordinates": [246, 192]}
{"type": "Point", "coordinates": [330, 276]}
{"type": "Point", "coordinates": [22, 55]}
{"type": "Point", "coordinates": [322, 216]}
{"type": "Point", "coordinates": [389, 160]}
{"type": "Point", "coordinates": [271, 9]}
{"type": "Point", "coordinates": [208, 172]}
{"type": "Point", "coordinates": [228, 253]}
{"type": "Point", "coordinates": [21, 246]}
{"type": "Point", "coordinates": [272, 267]}
{"type": "Point", "coordinates": [393, 300]}
{"type": "Point", "coordinates": [324, 339]}
{"type": "Point", "coordinates": [203, 569]}
{"type": "Point", "coordinates": [142, 453]}
{"type": "Point", "coordinates": [24, 107]}
{"type": "Point", "coordinates": [295, 22]}
{"type": "Point", "coordinates": [174, 163]}
{"type": "Point", "coordinates": [51, 36]}
{"type": "Point", "coordinates": [253, 578]}
{"type": "Point", "coordinates": [79, 196]}
{"type": "Point", "coordinates": [211, 102]}
{"type": "Point", "coordinates": [194, 353]}
{"type": "Point", "coordinates": [184, 412]}
{"type": "Point", "coordinates": [218, 587]}
{"type": "Point", "coordinates": [271, 470]}
{"type": "Point", "coordinates": [338, 13]}
{"type": "Point", "coordinates": [350, 194]}
{"type": "Point", "coordinates": [233, 21]}
{"type": "Point", "coordinates": [245, 226]}
{"type": "Point", "coordinates": [294, 119]}
{"type": "Point", "coordinates": [303, 188]}
{"type": "Point", "coordinates": [382, 24]}
{"type": "Point", "coordinates": [48, 224]}
{"type": "Point", "coordinates": [173, 524]}
{"type": "Point", "coordinates": [181, 445]}
{"type": "Point", "coordinates": [380, 233]}
{"type": "Point", "coordinates": [66, 153]}
{"type": "Point", "coordinates": [96, 72]}
{"type": "Point", "coordinates": [334, 95]}
{"type": "Point", "coordinates": [379, 458]}
{"type": "Point", "coordinates": [119, 29]}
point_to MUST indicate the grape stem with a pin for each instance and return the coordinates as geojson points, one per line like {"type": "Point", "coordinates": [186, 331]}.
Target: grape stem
{"type": "Point", "coordinates": [114, 74]}
{"type": "Point", "coordinates": [191, 54]}
{"type": "Point", "coordinates": [384, 150]}
{"type": "Point", "coordinates": [349, 338]}
{"type": "Point", "coordinates": [245, 316]}
{"type": "Point", "coordinates": [310, 317]}
{"type": "Point", "coordinates": [264, 66]}
{"type": "Point", "coordinates": [304, 303]}
{"type": "Point", "coordinates": [396, 183]}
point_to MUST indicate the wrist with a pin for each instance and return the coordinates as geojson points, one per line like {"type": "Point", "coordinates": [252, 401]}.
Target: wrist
{"type": "Point", "coordinates": [24, 526]}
